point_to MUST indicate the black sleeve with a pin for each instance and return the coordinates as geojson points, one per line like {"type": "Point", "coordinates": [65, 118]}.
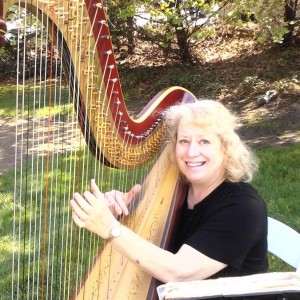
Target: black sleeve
{"type": "Point", "coordinates": [229, 232]}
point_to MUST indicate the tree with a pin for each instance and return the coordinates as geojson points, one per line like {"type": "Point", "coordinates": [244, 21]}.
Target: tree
{"type": "Point", "coordinates": [27, 41]}
{"type": "Point", "coordinates": [178, 26]}
{"type": "Point", "coordinates": [290, 18]}
{"type": "Point", "coordinates": [121, 18]}
{"type": "Point", "coordinates": [176, 22]}
{"type": "Point", "coordinates": [275, 19]}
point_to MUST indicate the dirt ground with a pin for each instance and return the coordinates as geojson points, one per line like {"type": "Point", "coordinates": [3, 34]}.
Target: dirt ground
{"type": "Point", "coordinates": [40, 141]}
{"type": "Point", "coordinates": [277, 123]}
{"type": "Point", "coordinates": [7, 142]}
{"type": "Point", "coordinates": [280, 125]}
{"type": "Point", "coordinates": [264, 123]}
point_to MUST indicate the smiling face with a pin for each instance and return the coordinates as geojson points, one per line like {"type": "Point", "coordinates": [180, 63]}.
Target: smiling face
{"type": "Point", "coordinates": [199, 154]}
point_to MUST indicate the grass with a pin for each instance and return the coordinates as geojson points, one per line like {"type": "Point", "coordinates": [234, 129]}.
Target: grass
{"type": "Point", "coordinates": [50, 251]}
{"type": "Point", "coordinates": [278, 182]}
{"type": "Point", "coordinates": [43, 100]}
{"type": "Point", "coordinates": [36, 231]}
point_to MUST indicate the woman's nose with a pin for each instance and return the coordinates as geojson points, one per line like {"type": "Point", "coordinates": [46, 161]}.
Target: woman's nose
{"type": "Point", "coordinates": [193, 149]}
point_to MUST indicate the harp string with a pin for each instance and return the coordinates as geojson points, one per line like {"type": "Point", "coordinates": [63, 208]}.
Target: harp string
{"type": "Point", "coordinates": [55, 166]}
{"type": "Point", "coordinates": [80, 239]}
{"type": "Point", "coordinates": [51, 256]}
{"type": "Point", "coordinates": [33, 206]}
{"type": "Point", "coordinates": [104, 112]}
{"type": "Point", "coordinates": [92, 84]}
{"type": "Point", "coordinates": [47, 214]}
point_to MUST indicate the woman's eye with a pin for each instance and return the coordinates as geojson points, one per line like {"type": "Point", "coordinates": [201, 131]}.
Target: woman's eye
{"type": "Point", "coordinates": [204, 141]}
{"type": "Point", "coordinates": [183, 141]}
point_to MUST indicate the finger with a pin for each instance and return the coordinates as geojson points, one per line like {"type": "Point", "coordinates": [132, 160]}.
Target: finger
{"type": "Point", "coordinates": [84, 205]}
{"type": "Point", "coordinates": [120, 206]}
{"type": "Point", "coordinates": [80, 223]}
{"type": "Point", "coordinates": [94, 189]}
{"type": "Point", "coordinates": [91, 199]}
{"type": "Point", "coordinates": [112, 201]}
{"type": "Point", "coordinates": [132, 193]}
{"type": "Point", "coordinates": [78, 214]}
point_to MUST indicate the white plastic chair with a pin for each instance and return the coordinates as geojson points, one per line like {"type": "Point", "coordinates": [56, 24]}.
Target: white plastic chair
{"type": "Point", "coordinates": [284, 242]}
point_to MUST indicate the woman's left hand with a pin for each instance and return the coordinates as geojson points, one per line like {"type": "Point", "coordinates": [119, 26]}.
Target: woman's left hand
{"type": "Point", "coordinates": [93, 214]}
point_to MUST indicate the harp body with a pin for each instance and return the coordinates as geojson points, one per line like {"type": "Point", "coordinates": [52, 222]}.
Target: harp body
{"type": "Point", "coordinates": [151, 220]}
{"type": "Point", "coordinates": [78, 29]}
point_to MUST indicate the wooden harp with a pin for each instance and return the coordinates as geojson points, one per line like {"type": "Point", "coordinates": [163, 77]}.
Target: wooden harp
{"type": "Point", "coordinates": [67, 76]}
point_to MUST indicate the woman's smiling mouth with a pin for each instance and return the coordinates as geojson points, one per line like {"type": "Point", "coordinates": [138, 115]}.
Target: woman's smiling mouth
{"type": "Point", "coordinates": [196, 164]}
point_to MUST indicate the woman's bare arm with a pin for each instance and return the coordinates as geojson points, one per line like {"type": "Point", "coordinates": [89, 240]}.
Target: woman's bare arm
{"type": "Point", "coordinates": [94, 213]}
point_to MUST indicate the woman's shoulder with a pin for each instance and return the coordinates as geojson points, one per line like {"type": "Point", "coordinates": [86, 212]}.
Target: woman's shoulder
{"type": "Point", "coordinates": [241, 193]}
{"type": "Point", "coordinates": [242, 201]}
{"type": "Point", "coordinates": [239, 188]}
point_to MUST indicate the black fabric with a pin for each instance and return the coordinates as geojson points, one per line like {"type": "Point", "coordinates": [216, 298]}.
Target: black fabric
{"type": "Point", "coordinates": [229, 225]}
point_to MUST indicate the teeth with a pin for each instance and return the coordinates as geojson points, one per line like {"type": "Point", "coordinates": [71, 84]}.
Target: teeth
{"type": "Point", "coordinates": [195, 164]}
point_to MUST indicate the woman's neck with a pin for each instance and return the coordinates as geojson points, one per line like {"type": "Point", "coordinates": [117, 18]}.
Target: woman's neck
{"type": "Point", "coordinates": [197, 193]}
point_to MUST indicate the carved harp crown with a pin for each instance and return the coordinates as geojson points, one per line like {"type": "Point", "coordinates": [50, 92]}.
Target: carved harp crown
{"type": "Point", "coordinates": [51, 258]}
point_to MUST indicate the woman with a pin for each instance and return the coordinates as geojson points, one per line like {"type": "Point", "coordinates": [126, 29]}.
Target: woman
{"type": "Point", "coordinates": [223, 229]}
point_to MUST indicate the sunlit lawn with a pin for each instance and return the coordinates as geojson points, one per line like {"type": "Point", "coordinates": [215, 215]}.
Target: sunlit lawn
{"type": "Point", "coordinates": [46, 244]}
{"type": "Point", "coordinates": [278, 182]}
{"type": "Point", "coordinates": [49, 194]}
{"type": "Point", "coordinates": [34, 100]}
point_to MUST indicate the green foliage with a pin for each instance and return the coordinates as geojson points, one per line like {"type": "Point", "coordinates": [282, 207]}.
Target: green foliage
{"type": "Point", "coordinates": [278, 33]}
{"type": "Point", "coordinates": [168, 17]}
{"type": "Point", "coordinates": [27, 22]}
{"type": "Point", "coordinates": [270, 23]}
{"type": "Point", "coordinates": [121, 9]}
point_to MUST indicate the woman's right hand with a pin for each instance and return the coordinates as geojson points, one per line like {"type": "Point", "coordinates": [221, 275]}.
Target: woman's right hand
{"type": "Point", "coordinates": [117, 201]}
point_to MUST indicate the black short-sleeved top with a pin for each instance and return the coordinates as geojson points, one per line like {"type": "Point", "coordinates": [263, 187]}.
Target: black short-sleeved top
{"type": "Point", "coordinates": [229, 225]}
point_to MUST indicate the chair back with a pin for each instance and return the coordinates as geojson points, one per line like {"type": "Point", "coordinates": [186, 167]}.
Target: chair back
{"type": "Point", "coordinates": [284, 242]}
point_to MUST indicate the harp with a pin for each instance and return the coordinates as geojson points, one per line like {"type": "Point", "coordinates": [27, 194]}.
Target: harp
{"type": "Point", "coordinates": [72, 125]}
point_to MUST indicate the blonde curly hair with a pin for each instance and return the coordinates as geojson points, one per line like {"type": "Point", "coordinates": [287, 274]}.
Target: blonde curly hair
{"type": "Point", "coordinates": [240, 162]}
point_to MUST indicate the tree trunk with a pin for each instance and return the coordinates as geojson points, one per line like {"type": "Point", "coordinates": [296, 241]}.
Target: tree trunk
{"type": "Point", "coordinates": [182, 42]}
{"type": "Point", "coordinates": [130, 35]}
{"type": "Point", "coordinates": [182, 38]}
{"type": "Point", "coordinates": [289, 16]}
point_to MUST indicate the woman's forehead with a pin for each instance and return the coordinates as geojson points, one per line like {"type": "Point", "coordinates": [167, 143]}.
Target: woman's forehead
{"type": "Point", "coordinates": [189, 127]}
{"type": "Point", "coordinates": [192, 122]}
